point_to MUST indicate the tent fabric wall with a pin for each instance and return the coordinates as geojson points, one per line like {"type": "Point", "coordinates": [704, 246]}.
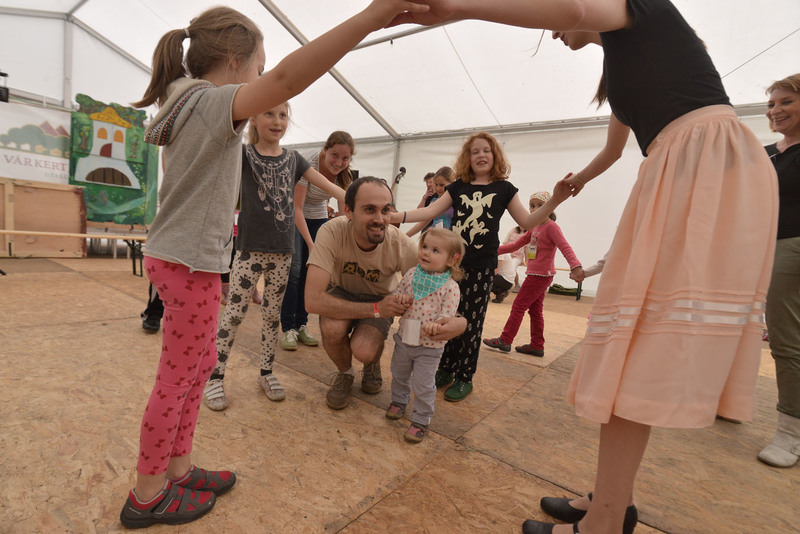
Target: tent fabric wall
{"type": "Point", "coordinates": [36, 66]}
{"type": "Point", "coordinates": [424, 92]}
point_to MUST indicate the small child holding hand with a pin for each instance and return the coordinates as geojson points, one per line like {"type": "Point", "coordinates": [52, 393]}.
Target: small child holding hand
{"type": "Point", "coordinates": [432, 288]}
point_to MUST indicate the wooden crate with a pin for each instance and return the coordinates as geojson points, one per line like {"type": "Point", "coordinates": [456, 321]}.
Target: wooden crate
{"type": "Point", "coordinates": [42, 207]}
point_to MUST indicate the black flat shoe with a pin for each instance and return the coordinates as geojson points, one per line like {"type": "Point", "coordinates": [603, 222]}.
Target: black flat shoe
{"type": "Point", "coordinates": [531, 526]}
{"type": "Point", "coordinates": [559, 508]}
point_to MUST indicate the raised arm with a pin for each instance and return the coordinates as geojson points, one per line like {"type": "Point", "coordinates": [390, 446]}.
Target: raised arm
{"type": "Point", "coordinates": [425, 214]}
{"type": "Point", "coordinates": [527, 220]}
{"type": "Point", "coordinates": [302, 67]}
{"type": "Point", "coordinates": [616, 139]}
{"type": "Point", "coordinates": [518, 243]}
{"type": "Point", "coordinates": [586, 15]}
{"type": "Point", "coordinates": [416, 228]}
{"type": "Point", "coordinates": [314, 177]}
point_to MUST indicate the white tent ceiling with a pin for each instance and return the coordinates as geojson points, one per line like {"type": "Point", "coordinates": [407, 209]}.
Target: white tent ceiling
{"type": "Point", "coordinates": [442, 80]}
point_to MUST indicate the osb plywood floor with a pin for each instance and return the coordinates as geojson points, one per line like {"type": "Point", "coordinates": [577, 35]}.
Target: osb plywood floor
{"type": "Point", "coordinates": [76, 369]}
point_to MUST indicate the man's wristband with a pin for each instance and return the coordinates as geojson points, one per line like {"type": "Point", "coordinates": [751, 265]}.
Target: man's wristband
{"type": "Point", "coordinates": [376, 310]}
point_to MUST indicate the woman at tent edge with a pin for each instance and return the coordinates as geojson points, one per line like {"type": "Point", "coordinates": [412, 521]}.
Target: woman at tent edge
{"type": "Point", "coordinates": [666, 284]}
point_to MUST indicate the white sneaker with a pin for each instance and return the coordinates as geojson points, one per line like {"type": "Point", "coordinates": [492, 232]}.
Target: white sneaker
{"type": "Point", "coordinates": [214, 394]}
{"type": "Point", "coordinates": [272, 387]}
{"type": "Point", "coordinates": [289, 340]}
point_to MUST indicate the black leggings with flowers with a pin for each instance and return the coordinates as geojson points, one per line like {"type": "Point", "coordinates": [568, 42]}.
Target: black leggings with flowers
{"type": "Point", "coordinates": [460, 355]}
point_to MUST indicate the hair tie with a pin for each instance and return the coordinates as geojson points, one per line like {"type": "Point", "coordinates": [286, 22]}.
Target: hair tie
{"type": "Point", "coordinates": [186, 33]}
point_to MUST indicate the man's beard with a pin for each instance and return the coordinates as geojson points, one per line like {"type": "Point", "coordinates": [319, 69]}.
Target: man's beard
{"type": "Point", "coordinates": [375, 240]}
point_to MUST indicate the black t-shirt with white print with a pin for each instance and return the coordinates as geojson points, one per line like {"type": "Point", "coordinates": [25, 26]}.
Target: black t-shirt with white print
{"type": "Point", "coordinates": [477, 210]}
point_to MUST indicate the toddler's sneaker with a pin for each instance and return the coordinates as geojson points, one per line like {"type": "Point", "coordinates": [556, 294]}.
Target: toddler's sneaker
{"type": "Point", "coordinates": [416, 433]}
{"type": "Point", "coordinates": [176, 505]}
{"type": "Point", "coordinates": [497, 343]}
{"type": "Point", "coordinates": [305, 337]}
{"type": "Point", "coordinates": [289, 340]}
{"type": "Point", "coordinates": [214, 395]}
{"type": "Point", "coordinates": [395, 411]}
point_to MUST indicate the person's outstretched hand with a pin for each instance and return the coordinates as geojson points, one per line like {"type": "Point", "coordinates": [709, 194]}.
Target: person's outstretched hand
{"type": "Point", "coordinates": [575, 183]}
{"type": "Point", "coordinates": [386, 11]}
{"type": "Point", "coordinates": [563, 189]}
{"type": "Point", "coordinates": [441, 11]}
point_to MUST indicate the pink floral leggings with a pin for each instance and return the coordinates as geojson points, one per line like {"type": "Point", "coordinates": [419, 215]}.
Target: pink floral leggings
{"type": "Point", "coordinates": [188, 355]}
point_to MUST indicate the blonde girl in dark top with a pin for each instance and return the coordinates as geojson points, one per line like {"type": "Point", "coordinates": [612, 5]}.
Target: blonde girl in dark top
{"type": "Point", "coordinates": [264, 245]}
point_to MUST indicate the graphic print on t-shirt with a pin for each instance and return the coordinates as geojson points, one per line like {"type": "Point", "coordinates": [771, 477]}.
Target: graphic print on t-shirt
{"type": "Point", "coordinates": [275, 180]}
{"type": "Point", "coordinates": [472, 226]}
{"type": "Point", "coordinates": [352, 267]}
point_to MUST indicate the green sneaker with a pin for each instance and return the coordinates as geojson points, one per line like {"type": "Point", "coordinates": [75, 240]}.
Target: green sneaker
{"type": "Point", "coordinates": [458, 391]}
{"type": "Point", "coordinates": [305, 337]}
{"type": "Point", "coordinates": [443, 378]}
{"type": "Point", "coordinates": [289, 340]}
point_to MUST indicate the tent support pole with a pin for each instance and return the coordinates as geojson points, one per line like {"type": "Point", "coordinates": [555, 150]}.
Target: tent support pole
{"type": "Point", "coordinates": [278, 15]}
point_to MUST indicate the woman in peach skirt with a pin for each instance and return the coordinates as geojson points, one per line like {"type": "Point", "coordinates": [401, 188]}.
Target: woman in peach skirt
{"type": "Point", "coordinates": [675, 331]}
{"type": "Point", "coordinates": [674, 335]}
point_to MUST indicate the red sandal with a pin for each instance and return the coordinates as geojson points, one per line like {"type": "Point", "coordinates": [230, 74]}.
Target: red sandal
{"type": "Point", "coordinates": [177, 505]}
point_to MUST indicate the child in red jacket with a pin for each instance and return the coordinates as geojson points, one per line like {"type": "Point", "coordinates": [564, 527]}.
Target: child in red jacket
{"type": "Point", "coordinates": [543, 240]}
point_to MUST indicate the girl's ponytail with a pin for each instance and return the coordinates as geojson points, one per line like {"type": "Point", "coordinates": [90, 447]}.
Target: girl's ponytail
{"type": "Point", "coordinates": [218, 35]}
{"type": "Point", "coordinates": [167, 67]}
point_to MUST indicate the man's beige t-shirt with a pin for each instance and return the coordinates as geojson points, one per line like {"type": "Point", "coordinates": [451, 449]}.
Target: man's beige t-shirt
{"type": "Point", "coordinates": [358, 272]}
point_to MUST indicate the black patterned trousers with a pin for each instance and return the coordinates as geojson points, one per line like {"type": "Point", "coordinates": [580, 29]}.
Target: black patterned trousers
{"type": "Point", "coordinates": [247, 269]}
{"type": "Point", "coordinates": [460, 355]}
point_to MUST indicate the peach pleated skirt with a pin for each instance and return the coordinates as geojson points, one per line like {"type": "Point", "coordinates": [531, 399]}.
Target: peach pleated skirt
{"type": "Point", "coordinates": [675, 332]}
